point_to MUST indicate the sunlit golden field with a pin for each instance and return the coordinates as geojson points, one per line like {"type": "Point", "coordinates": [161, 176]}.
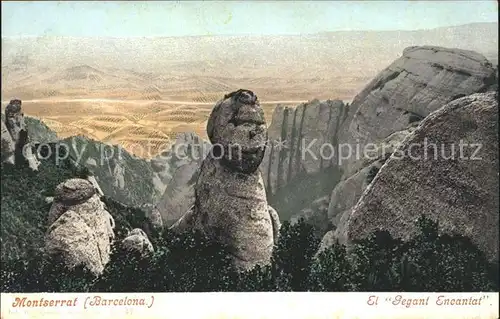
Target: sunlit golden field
{"type": "Point", "coordinates": [143, 129]}
{"type": "Point", "coordinates": [121, 107]}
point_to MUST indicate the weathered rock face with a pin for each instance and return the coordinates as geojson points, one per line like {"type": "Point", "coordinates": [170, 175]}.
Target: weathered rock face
{"type": "Point", "coordinates": [179, 195]}
{"type": "Point", "coordinates": [348, 191]}
{"type": "Point", "coordinates": [16, 126]}
{"type": "Point", "coordinates": [458, 187]}
{"type": "Point", "coordinates": [8, 146]}
{"type": "Point", "coordinates": [153, 215]}
{"type": "Point", "coordinates": [420, 82]}
{"type": "Point", "coordinates": [121, 175]}
{"type": "Point", "coordinates": [138, 241]}
{"type": "Point", "coordinates": [230, 205]}
{"type": "Point", "coordinates": [294, 170]}
{"type": "Point", "coordinates": [81, 229]}
{"type": "Point", "coordinates": [179, 170]}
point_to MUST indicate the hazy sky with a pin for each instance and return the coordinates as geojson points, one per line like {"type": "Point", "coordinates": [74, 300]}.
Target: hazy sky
{"type": "Point", "coordinates": [181, 18]}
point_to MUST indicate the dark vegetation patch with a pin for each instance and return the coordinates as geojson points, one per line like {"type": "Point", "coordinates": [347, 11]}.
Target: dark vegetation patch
{"type": "Point", "coordinates": [190, 263]}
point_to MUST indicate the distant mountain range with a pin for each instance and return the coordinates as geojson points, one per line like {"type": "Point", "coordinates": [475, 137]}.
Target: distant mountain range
{"type": "Point", "coordinates": [298, 56]}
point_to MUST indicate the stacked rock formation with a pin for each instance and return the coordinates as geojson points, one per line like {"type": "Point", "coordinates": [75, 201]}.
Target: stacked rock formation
{"type": "Point", "coordinates": [230, 198]}
{"type": "Point", "coordinates": [15, 143]}
{"type": "Point", "coordinates": [81, 230]}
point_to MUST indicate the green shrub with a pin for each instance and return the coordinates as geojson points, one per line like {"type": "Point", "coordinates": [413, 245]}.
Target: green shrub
{"type": "Point", "coordinates": [331, 270]}
{"type": "Point", "coordinates": [24, 209]}
{"type": "Point", "coordinates": [428, 262]}
{"type": "Point", "coordinates": [293, 255]}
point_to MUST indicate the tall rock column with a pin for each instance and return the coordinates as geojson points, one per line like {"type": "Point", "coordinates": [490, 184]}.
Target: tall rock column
{"type": "Point", "coordinates": [230, 198]}
{"type": "Point", "coordinates": [14, 121]}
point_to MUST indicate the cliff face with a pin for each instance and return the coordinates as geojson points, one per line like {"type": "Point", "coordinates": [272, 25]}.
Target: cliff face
{"type": "Point", "coordinates": [179, 169]}
{"type": "Point", "coordinates": [387, 110]}
{"type": "Point", "coordinates": [458, 187]}
{"type": "Point", "coordinates": [415, 85]}
{"type": "Point", "coordinates": [293, 169]}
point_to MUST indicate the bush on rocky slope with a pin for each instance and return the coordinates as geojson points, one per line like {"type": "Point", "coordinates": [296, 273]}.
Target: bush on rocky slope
{"type": "Point", "coordinates": [121, 176]}
{"type": "Point", "coordinates": [189, 262]}
{"type": "Point", "coordinates": [24, 209]}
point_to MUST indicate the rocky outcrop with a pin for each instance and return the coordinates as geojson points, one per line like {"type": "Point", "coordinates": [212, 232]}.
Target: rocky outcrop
{"type": "Point", "coordinates": [16, 127]}
{"type": "Point", "coordinates": [420, 82]}
{"type": "Point", "coordinates": [179, 169]}
{"type": "Point", "coordinates": [138, 241]}
{"type": "Point", "coordinates": [179, 194]}
{"type": "Point", "coordinates": [230, 198]}
{"type": "Point", "coordinates": [389, 108]}
{"type": "Point", "coordinates": [348, 191]}
{"type": "Point", "coordinates": [458, 186]}
{"type": "Point", "coordinates": [294, 170]}
{"type": "Point", "coordinates": [39, 132]}
{"type": "Point", "coordinates": [81, 230]}
{"type": "Point", "coordinates": [8, 146]}
{"type": "Point", "coordinates": [120, 175]}
{"type": "Point", "coordinates": [153, 215]}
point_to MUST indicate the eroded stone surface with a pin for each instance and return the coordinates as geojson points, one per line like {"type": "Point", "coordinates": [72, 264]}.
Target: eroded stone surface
{"type": "Point", "coordinates": [459, 191]}
{"type": "Point", "coordinates": [16, 126]}
{"type": "Point", "coordinates": [231, 205]}
{"type": "Point", "coordinates": [81, 229]}
{"type": "Point", "coordinates": [138, 241]}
